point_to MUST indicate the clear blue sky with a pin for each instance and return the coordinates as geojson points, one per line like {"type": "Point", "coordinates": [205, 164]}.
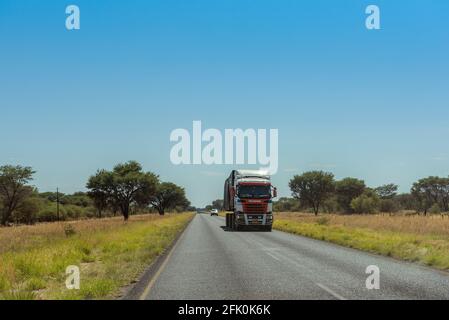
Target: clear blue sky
{"type": "Point", "coordinates": [367, 104]}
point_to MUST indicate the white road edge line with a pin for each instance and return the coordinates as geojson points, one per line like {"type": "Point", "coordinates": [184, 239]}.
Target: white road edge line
{"type": "Point", "coordinates": [336, 295]}
{"type": "Point", "coordinates": [273, 256]}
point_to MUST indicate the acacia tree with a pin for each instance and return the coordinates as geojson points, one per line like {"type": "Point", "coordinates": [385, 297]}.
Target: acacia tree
{"type": "Point", "coordinates": [387, 191]}
{"type": "Point", "coordinates": [312, 188]}
{"type": "Point", "coordinates": [127, 184]}
{"type": "Point", "coordinates": [168, 196]}
{"type": "Point", "coordinates": [13, 189]}
{"type": "Point", "coordinates": [431, 190]}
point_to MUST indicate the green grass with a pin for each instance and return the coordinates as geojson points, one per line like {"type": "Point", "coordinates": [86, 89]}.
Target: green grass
{"type": "Point", "coordinates": [110, 255]}
{"type": "Point", "coordinates": [429, 249]}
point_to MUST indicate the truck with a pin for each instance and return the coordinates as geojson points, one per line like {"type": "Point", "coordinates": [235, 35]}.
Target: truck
{"type": "Point", "coordinates": [248, 195]}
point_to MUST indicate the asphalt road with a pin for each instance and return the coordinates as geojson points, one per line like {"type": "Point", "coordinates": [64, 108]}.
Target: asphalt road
{"type": "Point", "coordinates": [209, 262]}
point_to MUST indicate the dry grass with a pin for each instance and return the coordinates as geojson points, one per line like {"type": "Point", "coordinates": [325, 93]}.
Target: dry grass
{"type": "Point", "coordinates": [110, 253]}
{"type": "Point", "coordinates": [20, 238]}
{"type": "Point", "coordinates": [413, 238]}
{"type": "Point", "coordinates": [435, 225]}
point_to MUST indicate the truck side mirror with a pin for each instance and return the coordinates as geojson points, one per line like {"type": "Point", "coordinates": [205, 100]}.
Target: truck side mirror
{"type": "Point", "coordinates": [275, 192]}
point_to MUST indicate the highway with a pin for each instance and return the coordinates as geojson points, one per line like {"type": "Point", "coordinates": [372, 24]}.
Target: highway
{"type": "Point", "coordinates": [209, 262]}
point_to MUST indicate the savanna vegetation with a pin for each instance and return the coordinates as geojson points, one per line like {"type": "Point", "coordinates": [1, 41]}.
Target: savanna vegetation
{"type": "Point", "coordinates": [125, 190]}
{"type": "Point", "coordinates": [318, 191]}
{"type": "Point", "coordinates": [110, 253]}
{"type": "Point", "coordinates": [411, 226]}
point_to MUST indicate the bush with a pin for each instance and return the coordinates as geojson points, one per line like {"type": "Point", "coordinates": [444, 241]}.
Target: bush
{"type": "Point", "coordinates": [365, 204]}
{"type": "Point", "coordinates": [28, 211]}
{"type": "Point", "coordinates": [48, 212]}
{"type": "Point", "coordinates": [73, 212]}
{"type": "Point", "coordinates": [388, 205]}
{"type": "Point", "coordinates": [69, 230]}
{"type": "Point", "coordinates": [435, 209]}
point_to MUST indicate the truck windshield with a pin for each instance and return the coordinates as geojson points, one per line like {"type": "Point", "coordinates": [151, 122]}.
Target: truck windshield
{"type": "Point", "coordinates": [254, 191]}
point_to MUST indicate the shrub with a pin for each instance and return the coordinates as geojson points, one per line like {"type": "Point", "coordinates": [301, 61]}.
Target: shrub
{"type": "Point", "coordinates": [323, 221]}
{"type": "Point", "coordinates": [69, 230]}
{"type": "Point", "coordinates": [28, 211]}
{"type": "Point", "coordinates": [388, 205]}
{"type": "Point", "coordinates": [365, 204]}
{"type": "Point", "coordinates": [48, 212]}
{"type": "Point", "coordinates": [73, 212]}
{"type": "Point", "coordinates": [435, 209]}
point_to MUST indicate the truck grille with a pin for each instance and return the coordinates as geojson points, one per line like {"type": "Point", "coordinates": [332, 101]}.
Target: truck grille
{"type": "Point", "coordinates": [255, 207]}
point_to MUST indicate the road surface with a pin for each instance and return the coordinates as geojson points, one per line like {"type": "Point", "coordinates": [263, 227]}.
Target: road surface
{"type": "Point", "coordinates": [209, 262]}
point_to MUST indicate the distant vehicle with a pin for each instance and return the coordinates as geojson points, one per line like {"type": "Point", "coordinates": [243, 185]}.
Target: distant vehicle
{"type": "Point", "coordinates": [248, 194]}
{"type": "Point", "coordinates": [214, 212]}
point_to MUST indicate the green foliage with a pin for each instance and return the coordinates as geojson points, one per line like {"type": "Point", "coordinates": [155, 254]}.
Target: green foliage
{"type": "Point", "coordinates": [347, 190]}
{"type": "Point", "coordinates": [312, 188]}
{"type": "Point", "coordinates": [435, 209]}
{"type": "Point", "coordinates": [331, 205]}
{"type": "Point", "coordinates": [169, 196]}
{"type": "Point", "coordinates": [28, 211]}
{"type": "Point", "coordinates": [13, 189]}
{"type": "Point", "coordinates": [126, 185]}
{"type": "Point", "coordinates": [387, 191]}
{"type": "Point", "coordinates": [366, 203]}
{"type": "Point", "coordinates": [388, 205]}
{"type": "Point", "coordinates": [430, 191]}
{"type": "Point", "coordinates": [286, 205]}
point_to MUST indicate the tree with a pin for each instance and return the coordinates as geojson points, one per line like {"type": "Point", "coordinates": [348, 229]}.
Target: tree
{"type": "Point", "coordinates": [406, 201]}
{"type": "Point", "coordinates": [312, 188]}
{"type": "Point", "coordinates": [100, 186]}
{"type": "Point", "coordinates": [168, 196]}
{"type": "Point", "coordinates": [387, 191]}
{"type": "Point", "coordinates": [13, 189]}
{"type": "Point", "coordinates": [347, 190]}
{"type": "Point", "coordinates": [431, 190]}
{"type": "Point", "coordinates": [124, 186]}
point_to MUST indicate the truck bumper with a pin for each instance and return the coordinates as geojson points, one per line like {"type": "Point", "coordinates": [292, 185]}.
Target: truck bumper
{"type": "Point", "coordinates": [252, 219]}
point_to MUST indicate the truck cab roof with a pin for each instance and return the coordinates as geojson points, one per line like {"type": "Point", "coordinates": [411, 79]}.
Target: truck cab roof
{"type": "Point", "coordinates": [260, 175]}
